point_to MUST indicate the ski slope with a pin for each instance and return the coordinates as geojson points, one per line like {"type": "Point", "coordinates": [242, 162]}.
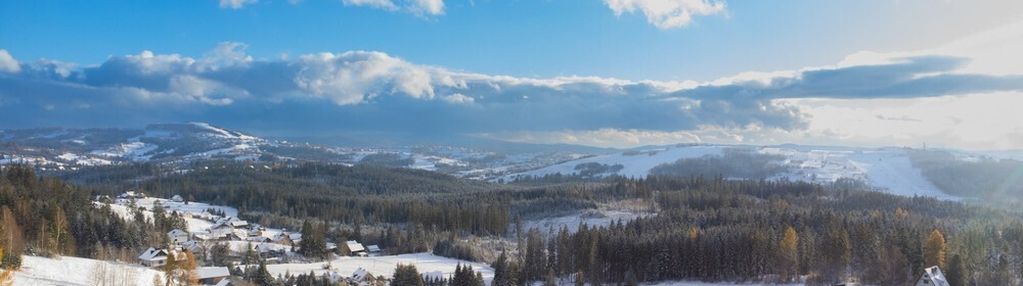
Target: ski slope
{"type": "Point", "coordinates": [887, 169]}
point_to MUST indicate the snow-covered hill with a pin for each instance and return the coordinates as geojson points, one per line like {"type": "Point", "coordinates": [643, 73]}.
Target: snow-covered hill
{"type": "Point", "coordinates": [40, 271]}
{"type": "Point", "coordinates": [59, 149]}
{"type": "Point", "coordinates": [888, 169]}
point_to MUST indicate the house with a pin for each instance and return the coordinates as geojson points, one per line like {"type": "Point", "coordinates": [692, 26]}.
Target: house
{"type": "Point", "coordinates": [932, 277]}
{"type": "Point", "coordinates": [155, 257]}
{"type": "Point", "coordinates": [355, 248]}
{"type": "Point", "coordinates": [177, 199]}
{"type": "Point", "coordinates": [177, 236]}
{"type": "Point", "coordinates": [238, 234]}
{"type": "Point", "coordinates": [268, 250]}
{"type": "Point", "coordinates": [232, 222]}
{"type": "Point", "coordinates": [373, 249]}
{"type": "Point", "coordinates": [258, 239]}
{"type": "Point", "coordinates": [282, 238]}
{"type": "Point", "coordinates": [360, 275]}
{"type": "Point", "coordinates": [212, 275]}
{"type": "Point", "coordinates": [220, 231]}
{"type": "Point", "coordinates": [192, 246]}
{"type": "Point", "coordinates": [129, 195]}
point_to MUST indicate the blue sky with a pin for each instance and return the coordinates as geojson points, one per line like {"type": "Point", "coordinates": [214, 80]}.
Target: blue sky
{"type": "Point", "coordinates": [522, 38]}
{"type": "Point", "coordinates": [587, 72]}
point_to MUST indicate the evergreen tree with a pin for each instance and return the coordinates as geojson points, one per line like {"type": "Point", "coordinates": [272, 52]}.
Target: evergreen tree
{"type": "Point", "coordinates": [956, 272]}
{"type": "Point", "coordinates": [406, 275]}
{"type": "Point", "coordinates": [500, 270]}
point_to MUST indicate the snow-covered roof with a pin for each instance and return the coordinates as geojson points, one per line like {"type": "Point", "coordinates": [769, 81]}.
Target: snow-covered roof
{"type": "Point", "coordinates": [355, 246]}
{"type": "Point", "coordinates": [177, 198]}
{"type": "Point", "coordinates": [373, 248]}
{"type": "Point", "coordinates": [211, 272]}
{"type": "Point", "coordinates": [153, 254]}
{"type": "Point", "coordinates": [934, 275]}
{"type": "Point", "coordinates": [360, 274]}
{"type": "Point", "coordinates": [177, 232]}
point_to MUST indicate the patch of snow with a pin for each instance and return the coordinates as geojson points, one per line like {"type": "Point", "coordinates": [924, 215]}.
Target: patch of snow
{"type": "Point", "coordinates": [384, 265]}
{"type": "Point", "coordinates": [636, 164]}
{"type": "Point", "coordinates": [75, 271]}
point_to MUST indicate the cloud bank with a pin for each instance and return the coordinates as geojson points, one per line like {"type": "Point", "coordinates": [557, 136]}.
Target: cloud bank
{"type": "Point", "coordinates": [417, 7]}
{"type": "Point", "coordinates": [667, 14]}
{"type": "Point", "coordinates": [356, 91]}
{"type": "Point", "coordinates": [235, 4]}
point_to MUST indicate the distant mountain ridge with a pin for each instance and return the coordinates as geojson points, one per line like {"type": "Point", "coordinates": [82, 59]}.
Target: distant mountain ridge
{"type": "Point", "coordinates": [183, 143]}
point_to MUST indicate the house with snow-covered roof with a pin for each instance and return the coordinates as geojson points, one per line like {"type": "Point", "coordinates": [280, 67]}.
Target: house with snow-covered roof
{"type": "Point", "coordinates": [354, 248]}
{"type": "Point", "coordinates": [155, 257]}
{"type": "Point", "coordinates": [177, 236]}
{"type": "Point", "coordinates": [212, 275]}
{"type": "Point", "coordinates": [932, 277]}
{"type": "Point", "coordinates": [177, 199]}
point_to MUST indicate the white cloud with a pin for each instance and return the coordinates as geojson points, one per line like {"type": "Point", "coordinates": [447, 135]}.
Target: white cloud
{"type": "Point", "coordinates": [417, 7]}
{"type": "Point", "coordinates": [7, 63]}
{"type": "Point", "coordinates": [235, 4]}
{"type": "Point", "coordinates": [667, 14]}
{"type": "Point", "coordinates": [459, 98]}
{"type": "Point", "coordinates": [355, 76]}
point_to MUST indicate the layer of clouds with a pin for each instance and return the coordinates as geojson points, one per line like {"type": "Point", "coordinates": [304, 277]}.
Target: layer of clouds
{"type": "Point", "coordinates": [667, 14]}
{"type": "Point", "coordinates": [417, 7]}
{"type": "Point", "coordinates": [235, 4]}
{"type": "Point", "coordinates": [357, 91]}
{"type": "Point", "coordinates": [7, 63]}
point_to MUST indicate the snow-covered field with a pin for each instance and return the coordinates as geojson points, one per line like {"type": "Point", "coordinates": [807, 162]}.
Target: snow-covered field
{"type": "Point", "coordinates": [888, 169]}
{"type": "Point", "coordinates": [193, 208]}
{"type": "Point", "coordinates": [38, 271]}
{"type": "Point", "coordinates": [635, 164]}
{"type": "Point", "coordinates": [383, 265]}
{"type": "Point", "coordinates": [592, 218]}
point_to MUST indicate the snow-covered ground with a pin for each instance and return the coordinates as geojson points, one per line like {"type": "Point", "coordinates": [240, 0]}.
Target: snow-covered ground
{"type": "Point", "coordinates": [635, 164]}
{"type": "Point", "coordinates": [592, 218]}
{"type": "Point", "coordinates": [888, 169]}
{"type": "Point", "coordinates": [383, 265]}
{"type": "Point", "coordinates": [38, 271]}
{"type": "Point", "coordinates": [193, 208]}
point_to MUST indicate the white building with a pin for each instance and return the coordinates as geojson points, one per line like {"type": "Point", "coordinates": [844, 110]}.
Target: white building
{"type": "Point", "coordinates": [153, 257]}
{"type": "Point", "coordinates": [355, 248]}
{"type": "Point", "coordinates": [212, 275]}
{"type": "Point", "coordinates": [932, 277]}
{"type": "Point", "coordinates": [177, 236]}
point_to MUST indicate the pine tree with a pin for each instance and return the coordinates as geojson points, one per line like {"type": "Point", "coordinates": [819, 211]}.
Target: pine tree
{"type": "Point", "coordinates": [934, 250]}
{"type": "Point", "coordinates": [956, 272]}
{"type": "Point", "coordinates": [500, 270]}
{"type": "Point", "coordinates": [406, 275]}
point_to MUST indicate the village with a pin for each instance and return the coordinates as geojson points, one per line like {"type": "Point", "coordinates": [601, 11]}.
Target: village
{"type": "Point", "coordinates": [210, 225]}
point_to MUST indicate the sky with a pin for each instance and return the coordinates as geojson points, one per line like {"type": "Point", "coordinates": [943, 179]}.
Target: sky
{"type": "Point", "coordinates": [611, 73]}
